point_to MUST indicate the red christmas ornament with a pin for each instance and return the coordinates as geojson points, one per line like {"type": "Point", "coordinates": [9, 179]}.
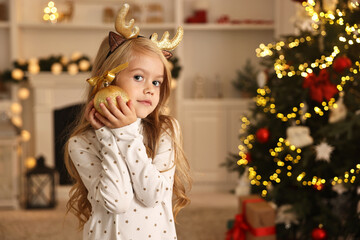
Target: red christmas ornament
{"type": "Point", "coordinates": [320, 86]}
{"type": "Point", "coordinates": [262, 135]}
{"type": "Point", "coordinates": [341, 63]}
{"type": "Point", "coordinates": [248, 157]}
{"type": "Point", "coordinates": [318, 234]}
{"type": "Point", "coordinates": [319, 186]}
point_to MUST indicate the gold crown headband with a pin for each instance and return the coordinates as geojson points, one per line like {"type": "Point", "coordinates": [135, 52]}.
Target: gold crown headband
{"type": "Point", "coordinates": [129, 31]}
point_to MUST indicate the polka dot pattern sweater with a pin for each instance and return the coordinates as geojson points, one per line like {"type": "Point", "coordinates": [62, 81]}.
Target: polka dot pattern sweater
{"type": "Point", "coordinates": [130, 194]}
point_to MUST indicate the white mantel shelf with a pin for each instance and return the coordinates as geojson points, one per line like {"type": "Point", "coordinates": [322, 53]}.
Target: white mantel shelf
{"type": "Point", "coordinates": [53, 92]}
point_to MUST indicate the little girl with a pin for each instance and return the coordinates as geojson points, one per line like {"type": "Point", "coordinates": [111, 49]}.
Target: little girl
{"type": "Point", "coordinates": [127, 162]}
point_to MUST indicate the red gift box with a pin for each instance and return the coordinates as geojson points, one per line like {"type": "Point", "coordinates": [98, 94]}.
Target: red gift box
{"type": "Point", "coordinates": [255, 222]}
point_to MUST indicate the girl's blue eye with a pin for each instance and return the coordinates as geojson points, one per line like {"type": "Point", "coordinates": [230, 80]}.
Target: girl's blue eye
{"type": "Point", "coordinates": [138, 78]}
{"type": "Point", "coordinates": [156, 83]}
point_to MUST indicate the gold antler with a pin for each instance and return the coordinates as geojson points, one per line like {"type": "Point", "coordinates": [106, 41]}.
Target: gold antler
{"type": "Point", "coordinates": [128, 31]}
{"type": "Point", "coordinates": [165, 43]}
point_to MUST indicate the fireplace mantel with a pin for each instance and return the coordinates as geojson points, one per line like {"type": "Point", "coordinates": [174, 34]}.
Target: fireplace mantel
{"type": "Point", "coordinates": [53, 92]}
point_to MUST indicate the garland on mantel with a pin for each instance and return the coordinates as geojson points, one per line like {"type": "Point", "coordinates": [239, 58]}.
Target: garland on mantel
{"type": "Point", "coordinates": [58, 64]}
{"type": "Point", "coordinates": [55, 64]}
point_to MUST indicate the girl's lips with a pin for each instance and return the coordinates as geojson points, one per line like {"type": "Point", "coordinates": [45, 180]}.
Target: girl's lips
{"type": "Point", "coordinates": [145, 102]}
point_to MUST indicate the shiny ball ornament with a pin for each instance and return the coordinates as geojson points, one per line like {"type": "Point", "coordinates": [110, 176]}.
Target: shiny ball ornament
{"type": "Point", "coordinates": [262, 135]}
{"type": "Point", "coordinates": [318, 234]}
{"type": "Point", "coordinates": [248, 157]}
{"type": "Point", "coordinates": [112, 92]}
{"type": "Point", "coordinates": [341, 63]}
{"type": "Point", "coordinates": [319, 186]}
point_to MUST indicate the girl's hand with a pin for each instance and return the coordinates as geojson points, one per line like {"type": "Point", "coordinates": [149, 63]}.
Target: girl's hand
{"type": "Point", "coordinates": [115, 117]}
{"type": "Point", "coordinates": [90, 116]}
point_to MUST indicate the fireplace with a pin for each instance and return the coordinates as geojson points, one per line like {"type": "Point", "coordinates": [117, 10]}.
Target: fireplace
{"type": "Point", "coordinates": [54, 94]}
{"type": "Point", "coordinates": [64, 119]}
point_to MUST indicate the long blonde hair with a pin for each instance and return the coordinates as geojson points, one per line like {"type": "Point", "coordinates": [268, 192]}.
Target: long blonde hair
{"type": "Point", "coordinates": [154, 124]}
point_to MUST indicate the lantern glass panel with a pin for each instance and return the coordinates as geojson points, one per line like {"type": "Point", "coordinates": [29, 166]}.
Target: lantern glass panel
{"type": "Point", "coordinates": [41, 186]}
{"type": "Point", "coordinates": [40, 190]}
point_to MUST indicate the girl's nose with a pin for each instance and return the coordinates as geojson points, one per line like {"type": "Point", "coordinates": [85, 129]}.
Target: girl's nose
{"type": "Point", "coordinates": [149, 89]}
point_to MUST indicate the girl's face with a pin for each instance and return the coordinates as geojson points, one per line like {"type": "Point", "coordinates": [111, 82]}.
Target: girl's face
{"type": "Point", "coordinates": [142, 81]}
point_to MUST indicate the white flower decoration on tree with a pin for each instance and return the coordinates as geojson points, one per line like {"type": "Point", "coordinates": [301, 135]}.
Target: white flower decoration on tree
{"type": "Point", "coordinates": [302, 20]}
{"type": "Point", "coordinates": [243, 186]}
{"type": "Point", "coordinates": [286, 215]}
{"type": "Point", "coordinates": [339, 111]}
{"type": "Point", "coordinates": [261, 79]}
{"type": "Point", "coordinates": [323, 152]}
{"type": "Point", "coordinates": [299, 136]}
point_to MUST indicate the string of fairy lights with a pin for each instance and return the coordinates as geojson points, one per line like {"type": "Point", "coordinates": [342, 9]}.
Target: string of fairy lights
{"type": "Point", "coordinates": [292, 157]}
{"type": "Point", "coordinates": [285, 155]}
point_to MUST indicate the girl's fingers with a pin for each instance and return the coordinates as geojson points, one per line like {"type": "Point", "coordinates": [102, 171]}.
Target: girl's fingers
{"type": "Point", "coordinates": [88, 108]}
{"type": "Point", "coordinates": [107, 118]}
{"type": "Point", "coordinates": [107, 113]}
{"type": "Point", "coordinates": [95, 123]}
{"type": "Point", "coordinates": [123, 106]}
{"type": "Point", "coordinates": [114, 109]}
{"type": "Point", "coordinates": [131, 107]}
{"type": "Point", "coordinates": [102, 119]}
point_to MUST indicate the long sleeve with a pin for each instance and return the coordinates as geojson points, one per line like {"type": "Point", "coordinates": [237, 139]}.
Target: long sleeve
{"type": "Point", "coordinates": [152, 178]}
{"type": "Point", "coordinates": [102, 169]}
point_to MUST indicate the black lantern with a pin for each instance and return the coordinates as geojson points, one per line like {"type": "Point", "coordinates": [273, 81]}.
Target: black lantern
{"type": "Point", "coordinates": [40, 186]}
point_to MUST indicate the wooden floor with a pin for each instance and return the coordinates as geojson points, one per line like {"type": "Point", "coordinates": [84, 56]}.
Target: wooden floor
{"type": "Point", "coordinates": [204, 219]}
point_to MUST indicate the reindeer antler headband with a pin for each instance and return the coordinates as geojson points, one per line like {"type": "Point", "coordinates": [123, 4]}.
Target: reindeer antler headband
{"type": "Point", "coordinates": [128, 31]}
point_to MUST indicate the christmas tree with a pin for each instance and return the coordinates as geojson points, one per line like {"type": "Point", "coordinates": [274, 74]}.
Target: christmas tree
{"type": "Point", "coordinates": [301, 144]}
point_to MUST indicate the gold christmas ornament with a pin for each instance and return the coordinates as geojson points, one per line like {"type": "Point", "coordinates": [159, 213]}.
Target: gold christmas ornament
{"type": "Point", "coordinates": [112, 92]}
{"type": "Point", "coordinates": [108, 90]}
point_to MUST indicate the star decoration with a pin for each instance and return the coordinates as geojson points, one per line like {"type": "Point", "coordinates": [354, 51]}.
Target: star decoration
{"type": "Point", "coordinates": [323, 151]}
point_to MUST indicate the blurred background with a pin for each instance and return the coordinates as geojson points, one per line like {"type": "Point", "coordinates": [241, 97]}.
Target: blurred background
{"type": "Point", "coordinates": [47, 49]}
